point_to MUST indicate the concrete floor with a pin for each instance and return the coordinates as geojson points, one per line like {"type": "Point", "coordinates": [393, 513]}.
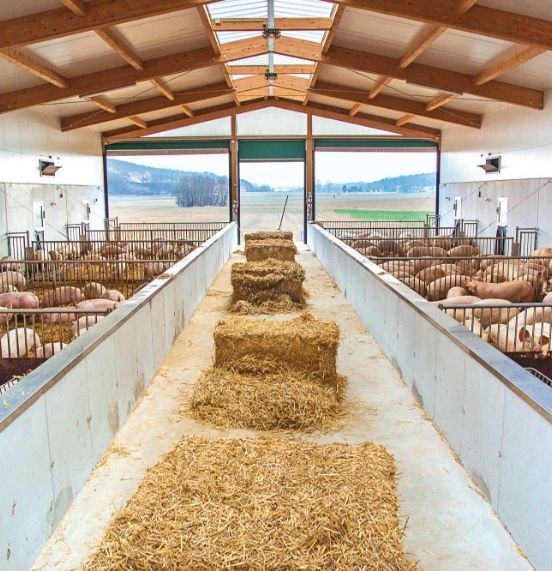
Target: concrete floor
{"type": "Point", "coordinates": [449, 526]}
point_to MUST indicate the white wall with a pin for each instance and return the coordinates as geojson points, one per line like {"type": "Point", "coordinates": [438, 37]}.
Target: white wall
{"type": "Point", "coordinates": [523, 139]}
{"type": "Point", "coordinates": [25, 138]}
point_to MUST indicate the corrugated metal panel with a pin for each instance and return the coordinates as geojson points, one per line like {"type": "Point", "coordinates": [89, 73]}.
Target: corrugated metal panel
{"type": "Point", "coordinates": [262, 59]}
{"type": "Point", "coordinates": [214, 102]}
{"type": "Point", "coordinates": [282, 9]}
{"type": "Point", "coordinates": [536, 8]}
{"type": "Point", "coordinates": [15, 78]}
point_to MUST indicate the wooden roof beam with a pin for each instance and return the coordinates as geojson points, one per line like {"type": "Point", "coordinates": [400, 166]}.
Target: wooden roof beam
{"type": "Point", "coordinates": [400, 104]}
{"type": "Point", "coordinates": [405, 119]}
{"type": "Point", "coordinates": [163, 87]}
{"type": "Point", "coordinates": [508, 60]}
{"type": "Point", "coordinates": [78, 7]}
{"type": "Point", "coordinates": [145, 106]}
{"type": "Point", "coordinates": [187, 111]}
{"type": "Point", "coordinates": [380, 83]}
{"type": "Point", "coordinates": [138, 121]}
{"type": "Point", "coordinates": [61, 22]}
{"type": "Point", "coordinates": [355, 109]}
{"type": "Point", "coordinates": [112, 39]}
{"type": "Point", "coordinates": [103, 103]}
{"type": "Point", "coordinates": [480, 20]}
{"type": "Point", "coordinates": [259, 24]}
{"type": "Point", "coordinates": [33, 66]}
{"type": "Point", "coordinates": [279, 69]}
{"type": "Point", "coordinates": [428, 76]}
{"type": "Point", "coordinates": [439, 100]}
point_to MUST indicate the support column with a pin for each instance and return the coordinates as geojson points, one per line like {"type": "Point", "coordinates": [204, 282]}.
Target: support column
{"type": "Point", "coordinates": [234, 174]}
{"type": "Point", "coordinates": [309, 176]}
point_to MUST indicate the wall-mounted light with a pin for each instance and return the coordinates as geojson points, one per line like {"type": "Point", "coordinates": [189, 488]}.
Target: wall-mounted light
{"type": "Point", "coordinates": [491, 164]}
{"type": "Point", "coordinates": [53, 203]}
{"type": "Point", "coordinates": [49, 167]}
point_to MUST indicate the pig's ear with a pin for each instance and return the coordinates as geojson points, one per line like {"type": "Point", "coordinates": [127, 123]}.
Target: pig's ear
{"type": "Point", "coordinates": [9, 306]}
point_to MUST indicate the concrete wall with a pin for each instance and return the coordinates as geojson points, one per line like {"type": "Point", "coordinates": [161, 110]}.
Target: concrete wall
{"type": "Point", "coordinates": [58, 421]}
{"type": "Point", "coordinates": [495, 415]}
{"type": "Point", "coordinates": [522, 138]}
{"type": "Point", "coordinates": [25, 138]}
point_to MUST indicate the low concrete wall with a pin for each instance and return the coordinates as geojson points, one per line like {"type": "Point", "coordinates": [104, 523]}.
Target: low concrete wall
{"type": "Point", "coordinates": [58, 421]}
{"type": "Point", "coordinates": [495, 415]}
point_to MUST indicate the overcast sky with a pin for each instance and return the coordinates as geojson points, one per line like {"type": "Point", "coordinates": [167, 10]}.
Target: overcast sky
{"type": "Point", "coordinates": [335, 167]}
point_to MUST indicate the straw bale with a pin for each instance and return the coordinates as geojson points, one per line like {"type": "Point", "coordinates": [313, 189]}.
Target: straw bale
{"type": "Point", "coordinates": [260, 504]}
{"type": "Point", "coordinates": [259, 282]}
{"type": "Point", "coordinates": [285, 400]}
{"type": "Point", "coordinates": [260, 250]}
{"type": "Point", "coordinates": [281, 304]}
{"type": "Point", "coordinates": [305, 344]}
{"type": "Point", "coordinates": [276, 235]}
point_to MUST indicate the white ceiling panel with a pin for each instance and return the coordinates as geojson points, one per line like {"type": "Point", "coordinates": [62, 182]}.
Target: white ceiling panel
{"type": "Point", "coordinates": [16, 8]}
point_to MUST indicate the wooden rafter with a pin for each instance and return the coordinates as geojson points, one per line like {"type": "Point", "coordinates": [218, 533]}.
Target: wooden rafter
{"type": "Point", "coordinates": [439, 100]}
{"type": "Point", "coordinates": [428, 35]}
{"type": "Point", "coordinates": [113, 39]}
{"type": "Point", "coordinates": [504, 62]}
{"type": "Point", "coordinates": [142, 106]}
{"type": "Point", "coordinates": [32, 65]}
{"type": "Point", "coordinates": [177, 121]}
{"type": "Point", "coordinates": [115, 78]}
{"type": "Point", "coordinates": [215, 44]}
{"type": "Point", "coordinates": [258, 25]}
{"type": "Point", "coordinates": [138, 121]}
{"type": "Point", "coordinates": [429, 76]}
{"type": "Point", "coordinates": [407, 118]}
{"type": "Point", "coordinates": [327, 42]}
{"type": "Point", "coordinates": [76, 6]}
{"type": "Point", "coordinates": [163, 87]}
{"type": "Point", "coordinates": [356, 108]}
{"type": "Point", "coordinates": [399, 104]}
{"type": "Point", "coordinates": [187, 111]}
{"type": "Point", "coordinates": [61, 22]}
{"type": "Point", "coordinates": [103, 103]}
{"type": "Point", "coordinates": [480, 20]}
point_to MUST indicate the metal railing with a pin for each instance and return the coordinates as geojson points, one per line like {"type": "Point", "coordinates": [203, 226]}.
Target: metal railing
{"type": "Point", "coordinates": [510, 327]}
{"type": "Point", "coordinates": [526, 240]}
{"type": "Point", "coordinates": [197, 232]}
{"type": "Point", "coordinates": [18, 242]}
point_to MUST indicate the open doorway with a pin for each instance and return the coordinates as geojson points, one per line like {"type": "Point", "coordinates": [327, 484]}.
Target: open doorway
{"type": "Point", "coordinates": [272, 185]}
{"type": "Point", "coordinates": [272, 196]}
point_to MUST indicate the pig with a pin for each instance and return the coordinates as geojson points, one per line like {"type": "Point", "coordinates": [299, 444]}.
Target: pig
{"type": "Point", "coordinates": [18, 342]}
{"type": "Point", "coordinates": [55, 256]}
{"type": "Point", "coordinates": [62, 317]}
{"type": "Point", "coordinates": [11, 278]}
{"type": "Point", "coordinates": [490, 315]}
{"type": "Point", "coordinates": [456, 292]}
{"type": "Point", "coordinates": [8, 263]}
{"type": "Point", "coordinates": [547, 298]}
{"type": "Point", "coordinates": [20, 300]}
{"type": "Point", "coordinates": [433, 273]}
{"type": "Point", "coordinates": [48, 350]}
{"type": "Point", "coordinates": [506, 339]}
{"type": "Point", "coordinates": [515, 291]}
{"type": "Point", "coordinates": [542, 252]}
{"type": "Point", "coordinates": [84, 323]}
{"type": "Point", "coordinates": [113, 295]}
{"type": "Point", "coordinates": [474, 325]}
{"type": "Point", "coordinates": [421, 251]}
{"type": "Point", "coordinates": [417, 285]}
{"type": "Point", "coordinates": [439, 288]}
{"type": "Point", "coordinates": [62, 295]}
{"type": "Point", "coordinates": [532, 315]}
{"type": "Point", "coordinates": [459, 300]}
{"type": "Point", "coordinates": [154, 269]}
{"type": "Point", "coordinates": [463, 252]}
{"type": "Point", "coordinates": [97, 304]}
{"type": "Point", "coordinates": [93, 290]}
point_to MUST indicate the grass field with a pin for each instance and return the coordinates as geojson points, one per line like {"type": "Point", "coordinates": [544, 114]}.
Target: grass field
{"type": "Point", "coordinates": [387, 215]}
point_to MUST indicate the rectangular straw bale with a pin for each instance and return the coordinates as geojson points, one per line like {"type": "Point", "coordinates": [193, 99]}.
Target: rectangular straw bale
{"type": "Point", "coordinates": [302, 345]}
{"type": "Point", "coordinates": [257, 282]}
{"type": "Point", "coordinates": [261, 250]}
{"type": "Point", "coordinates": [277, 235]}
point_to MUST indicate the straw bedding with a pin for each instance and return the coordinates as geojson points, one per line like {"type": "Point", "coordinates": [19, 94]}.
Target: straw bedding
{"type": "Point", "coordinates": [260, 250]}
{"type": "Point", "coordinates": [305, 345]}
{"type": "Point", "coordinates": [284, 400]}
{"type": "Point", "coordinates": [260, 504]}
{"type": "Point", "coordinates": [276, 235]}
{"type": "Point", "coordinates": [269, 282]}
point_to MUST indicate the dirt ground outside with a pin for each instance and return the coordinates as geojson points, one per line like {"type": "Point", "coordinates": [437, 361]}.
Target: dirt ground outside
{"type": "Point", "coordinates": [263, 211]}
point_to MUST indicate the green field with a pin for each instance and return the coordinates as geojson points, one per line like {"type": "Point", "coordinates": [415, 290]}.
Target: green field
{"type": "Point", "coordinates": [387, 215]}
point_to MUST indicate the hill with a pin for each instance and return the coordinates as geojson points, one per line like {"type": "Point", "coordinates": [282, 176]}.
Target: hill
{"type": "Point", "coordinates": [403, 184]}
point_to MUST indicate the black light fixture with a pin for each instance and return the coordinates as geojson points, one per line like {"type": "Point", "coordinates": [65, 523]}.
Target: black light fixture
{"type": "Point", "coordinates": [491, 164]}
{"type": "Point", "coordinates": [271, 76]}
{"type": "Point", "coordinates": [271, 33]}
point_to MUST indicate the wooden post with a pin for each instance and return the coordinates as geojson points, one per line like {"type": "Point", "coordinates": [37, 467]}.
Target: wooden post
{"type": "Point", "coordinates": [234, 174]}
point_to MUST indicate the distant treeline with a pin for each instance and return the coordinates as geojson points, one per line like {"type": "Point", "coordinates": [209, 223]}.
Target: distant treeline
{"type": "Point", "coordinates": [404, 183]}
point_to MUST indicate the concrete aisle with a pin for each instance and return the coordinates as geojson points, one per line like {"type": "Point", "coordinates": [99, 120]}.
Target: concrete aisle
{"type": "Point", "coordinates": [449, 525]}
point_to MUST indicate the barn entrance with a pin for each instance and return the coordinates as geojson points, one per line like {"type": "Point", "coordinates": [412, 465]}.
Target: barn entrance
{"type": "Point", "coordinates": [272, 185]}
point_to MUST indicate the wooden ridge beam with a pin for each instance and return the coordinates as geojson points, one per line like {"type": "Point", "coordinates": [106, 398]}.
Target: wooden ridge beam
{"type": "Point", "coordinates": [279, 69]}
{"type": "Point", "coordinates": [259, 24]}
{"type": "Point", "coordinates": [33, 66]}
{"type": "Point", "coordinates": [428, 76]}
{"type": "Point", "coordinates": [479, 20]}
{"type": "Point", "coordinates": [61, 22]}
{"type": "Point", "coordinates": [145, 106]}
{"type": "Point", "coordinates": [400, 104]}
